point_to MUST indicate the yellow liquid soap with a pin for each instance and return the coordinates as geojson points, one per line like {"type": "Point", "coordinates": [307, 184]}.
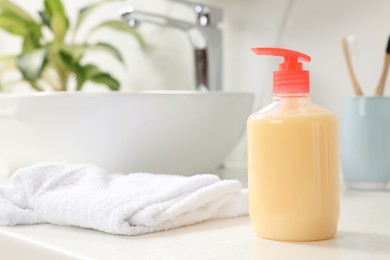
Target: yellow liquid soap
{"type": "Point", "coordinates": [293, 169]}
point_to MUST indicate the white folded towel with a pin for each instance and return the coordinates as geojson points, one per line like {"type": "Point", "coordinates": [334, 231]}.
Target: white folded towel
{"type": "Point", "coordinates": [128, 204]}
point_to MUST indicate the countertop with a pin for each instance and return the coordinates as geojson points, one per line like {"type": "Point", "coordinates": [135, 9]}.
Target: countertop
{"type": "Point", "coordinates": [364, 233]}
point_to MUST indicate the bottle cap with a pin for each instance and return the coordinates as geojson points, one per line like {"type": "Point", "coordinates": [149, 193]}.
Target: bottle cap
{"type": "Point", "coordinates": [290, 78]}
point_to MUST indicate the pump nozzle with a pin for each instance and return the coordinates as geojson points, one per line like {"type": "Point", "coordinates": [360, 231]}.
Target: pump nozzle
{"type": "Point", "coordinates": [290, 78]}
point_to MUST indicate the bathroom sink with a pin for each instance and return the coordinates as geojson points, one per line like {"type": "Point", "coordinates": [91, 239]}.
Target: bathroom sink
{"type": "Point", "coordinates": [176, 132]}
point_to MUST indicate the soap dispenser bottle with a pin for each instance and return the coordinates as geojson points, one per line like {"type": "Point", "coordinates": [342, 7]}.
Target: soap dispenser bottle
{"type": "Point", "coordinates": [293, 179]}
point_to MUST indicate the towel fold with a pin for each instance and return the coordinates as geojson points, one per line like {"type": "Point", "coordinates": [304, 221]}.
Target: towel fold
{"type": "Point", "coordinates": [127, 204]}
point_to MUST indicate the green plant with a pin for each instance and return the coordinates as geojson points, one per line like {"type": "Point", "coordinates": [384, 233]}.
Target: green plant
{"type": "Point", "coordinates": [50, 54]}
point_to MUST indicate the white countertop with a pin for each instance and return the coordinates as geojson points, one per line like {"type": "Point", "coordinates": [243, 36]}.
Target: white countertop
{"type": "Point", "coordinates": [364, 233]}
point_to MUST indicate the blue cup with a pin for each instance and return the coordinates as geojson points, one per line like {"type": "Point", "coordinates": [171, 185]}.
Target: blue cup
{"type": "Point", "coordinates": [365, 142]}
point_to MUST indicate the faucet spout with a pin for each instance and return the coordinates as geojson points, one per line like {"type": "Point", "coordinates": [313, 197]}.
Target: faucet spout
{"type": "Point", "coordinates": [131, 16]}
{"type": "Point", "coordinates": [206, 42]}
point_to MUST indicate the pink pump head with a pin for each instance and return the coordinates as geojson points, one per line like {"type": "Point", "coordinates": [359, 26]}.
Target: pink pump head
{"type": "Point", "coordinates": [290, 78]}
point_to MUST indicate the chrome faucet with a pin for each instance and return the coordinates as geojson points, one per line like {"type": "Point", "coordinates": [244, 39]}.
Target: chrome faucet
{"type": "Point", "coordinates": [204, 35]}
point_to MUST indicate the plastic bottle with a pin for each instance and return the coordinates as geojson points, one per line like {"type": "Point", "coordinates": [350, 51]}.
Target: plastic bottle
{"type": "Point", "coordinates": [293, 164]}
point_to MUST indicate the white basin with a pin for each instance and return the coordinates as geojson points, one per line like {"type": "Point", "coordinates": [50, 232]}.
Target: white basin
{"type": "Point", "coordinates": [161, 132]}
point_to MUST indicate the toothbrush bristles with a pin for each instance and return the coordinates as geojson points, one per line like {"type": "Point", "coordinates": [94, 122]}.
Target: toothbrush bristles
{"type": "Point", "coordinates": [352, 45]}
{"type": "Point", "coordinates": [388, 46]}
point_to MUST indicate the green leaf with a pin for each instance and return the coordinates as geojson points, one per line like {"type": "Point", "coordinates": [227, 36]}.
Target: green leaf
{"type": "Point", "coordinates": [35, 85]}
{"type": "Point", "coordinates": [11, 24]}
{"type": "Point", "coordinates": [71, 63]}
{"type": "Point", "coordinates": [87, 11]}
{"type": "Point", "coordinates": [101, 46]}
{"type": "Point", "coordinates": [88, 72]}
{"type": "Point", "coordinates": [77, 51]}
{"type": "Point", "coordinates": [31, 64]}
{"type": "Point", "coordinates": [68, 60]}
{"type": "Point", "coordinates": [94, 74]}
{"type": "Point", "coordinates": [58, 27]}
{"type": "Point", "coordinates": [44, 18]}
{"type": "Point", "coordinates": [20, 14]}
{"type": "Point", "coordinates": [119, 26]}
{"type": "Point", "coordinates": [74, 66]}
{"type": "Point", "coordinates": [16, 21]}
{"type": "Point", "coordinates": [54, 14]}
{"type": "Point", "coordinates": [28, 44]}
{"type": "Point", "coordinates": [84, 13]}
{"type": "Point", "coordinates": [31, 42]}
{"type": "Point", "coordinates": [106, 79]}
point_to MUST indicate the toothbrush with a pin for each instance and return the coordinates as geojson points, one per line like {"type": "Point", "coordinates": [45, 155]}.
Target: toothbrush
{"type": "Point", "coordinates": [381, 85]}
{"type": "Point", "coordinates": [347, 57]}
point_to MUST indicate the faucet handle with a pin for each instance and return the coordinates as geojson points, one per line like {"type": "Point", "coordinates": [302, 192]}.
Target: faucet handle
{"type": "Point", "coordinates": [206, 14]}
